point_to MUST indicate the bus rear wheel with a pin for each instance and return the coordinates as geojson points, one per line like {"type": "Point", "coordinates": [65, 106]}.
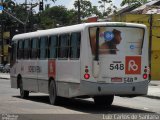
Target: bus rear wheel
{"type": "Point", "coordinates": [104, 100]}
{"type": "Point", "coordinates": [23, 93]}
{"type": "Point", "coordinates": [53, 93]}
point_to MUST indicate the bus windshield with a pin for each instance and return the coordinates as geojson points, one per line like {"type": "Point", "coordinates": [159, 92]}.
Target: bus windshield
{"type": "Point", "coordinates": [118, 40]}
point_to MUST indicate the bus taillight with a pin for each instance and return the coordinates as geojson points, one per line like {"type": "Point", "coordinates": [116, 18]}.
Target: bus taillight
{"type": "Point", "coordinates": [146, 72]}
{"type": "Point", "coordinates": [86, 75]}
{"type": "Point", "coordinates": [145, 76]}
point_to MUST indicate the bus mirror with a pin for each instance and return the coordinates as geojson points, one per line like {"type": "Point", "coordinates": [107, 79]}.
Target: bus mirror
{"type": "Point", "coordinates": [97, 45]}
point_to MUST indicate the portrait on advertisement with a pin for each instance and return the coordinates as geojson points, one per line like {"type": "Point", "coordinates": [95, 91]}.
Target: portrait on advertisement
{"type": "Point", "coordinates": [108, 40]}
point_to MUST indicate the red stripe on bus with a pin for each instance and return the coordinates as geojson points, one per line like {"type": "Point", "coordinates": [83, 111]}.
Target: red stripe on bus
{"type": "Point", "coordinates": [52, 68]}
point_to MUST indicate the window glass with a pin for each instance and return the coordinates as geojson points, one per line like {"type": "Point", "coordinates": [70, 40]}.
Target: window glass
{"type": "Point", "coordinates": [34, 43]}
{"type": "Point", "coordinates": [113, 39]}
{"type": "Point", "coordinates": [53, 44]}
{"type": "Point", "coordinates": [20, 49]}
{"type": "Point", "coordinates": [64, 46]}
{"type": "Point", "coordinates": [26, 49]}
{"type": "Point", "coordinates": [43, 47]}
{"type": "Point", "coordinates": [75, 45]}
{"type": "Point", "coordinates": [34, 52]}
{"type": "Point", "coordinates": [13, 53]}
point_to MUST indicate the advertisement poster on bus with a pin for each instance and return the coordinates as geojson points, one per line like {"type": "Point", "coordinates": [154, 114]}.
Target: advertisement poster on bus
{"type": "Point", "coordinates": [118, 40]}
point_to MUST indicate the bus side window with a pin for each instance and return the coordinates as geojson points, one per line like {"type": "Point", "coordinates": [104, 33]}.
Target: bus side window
{"type": "Point", "coordinates": [53, 47]}
{"type": "Point", "coordinates": [26, 48]}
{"type": "Point", "coordinates": [13, 53]}
{"type": "Point", "coordinates": [34, 45]}
{"type": "Point", "coordinates": [43, 47]}
{"type": "Point", "coordinates": [63, 46]}
{"type": "Point", "coordinates": [75, 45]}
{"type": "Point", "coordinates": [20, 49]}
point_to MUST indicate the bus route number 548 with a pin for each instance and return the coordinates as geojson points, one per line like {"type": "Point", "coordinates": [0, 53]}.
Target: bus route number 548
{"type": "Point", "coordinates": [117, 66]}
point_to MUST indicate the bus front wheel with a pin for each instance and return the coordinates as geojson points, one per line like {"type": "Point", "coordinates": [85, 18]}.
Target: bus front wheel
{"type": "Point", "coordinates": [53, 93]}
{"type": "Point", "coordinates": [23, 93]}
{"type": "Point", "coordinates": [104, 100]}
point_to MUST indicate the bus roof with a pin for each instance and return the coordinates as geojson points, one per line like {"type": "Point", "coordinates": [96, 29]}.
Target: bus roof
{"type": "Point", "coordinates": [72, 28]}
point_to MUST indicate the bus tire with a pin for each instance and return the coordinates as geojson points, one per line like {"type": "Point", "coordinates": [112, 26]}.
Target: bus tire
{"type": "Point", "coordinates": [53, 93]}
{"type": "Point", "coordinates": [104, 100]}
{"type": "Point", "coordinates": [23, 93]}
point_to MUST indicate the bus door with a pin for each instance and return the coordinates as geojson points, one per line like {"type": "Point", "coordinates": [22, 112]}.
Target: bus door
{"type": "Point", "coordinates": [119, 54]}
{"type": "Point", "coordinates": [29, 65]}
{"type": "Point", "coordinates": [68, 63]}
{"type": "Point", "coordinates": [42, 65]}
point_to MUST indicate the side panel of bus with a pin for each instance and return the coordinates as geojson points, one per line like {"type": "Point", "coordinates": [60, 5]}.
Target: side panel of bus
{"type": "Point", "coordinates": [68, 77]}
{"type": "Point", "coordinates": [29, 75]}
{"type": "Point", "coordinates": [68, 66]}
{"type": "Point", "coordinates": [42, 76]}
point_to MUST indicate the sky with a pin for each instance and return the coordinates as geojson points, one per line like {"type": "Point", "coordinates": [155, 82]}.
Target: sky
{"type": "Point", "coordinates": [69, 3]}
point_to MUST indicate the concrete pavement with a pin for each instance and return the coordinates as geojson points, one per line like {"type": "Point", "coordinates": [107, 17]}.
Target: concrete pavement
{"type": "Point", "coordinates": [153, 90]}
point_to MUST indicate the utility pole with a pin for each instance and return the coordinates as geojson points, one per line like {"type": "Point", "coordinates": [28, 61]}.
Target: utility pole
{"type": "Point", "coordinates": [25, 25]}
{"type": "Point", "coordinates": [31, 23]}
{"type": "Point", "coordinates": [79, 12]}
{"type": "Point", "coordinates": [26, 5]}
{"type": "Point", "coordinates": [150, 42]}
{"type": "Point", "coordinates": [2, 46]}
{"type": "Point", "coordinates": [29, 13]}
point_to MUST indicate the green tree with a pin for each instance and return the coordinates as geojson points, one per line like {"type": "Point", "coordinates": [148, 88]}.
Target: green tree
{"type": "Point", "coordinates": [72, 17]}
{"type": "Point", "coordinates": [96, 11]}
{"type": "Point", "coordinates": [57, 15]}
{"type": "Point", "coordinates": [51, 0]}
{"type": "Point", "coordinates": [85, 8]}
{"type": "Point", "coordinates": [106, 11]}
{"type": "Point", "coordinates": [134, 2]}
{"type": "Point", "coordinates": [103, 4]}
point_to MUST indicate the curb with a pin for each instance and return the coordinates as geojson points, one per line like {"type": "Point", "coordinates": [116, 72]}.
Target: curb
{"type": "Point", "coordinates": [152, 97]}
{"type": "Point", "coordinates": [4, 78]}
{"type": "Point", "coordinates": [153, 84]}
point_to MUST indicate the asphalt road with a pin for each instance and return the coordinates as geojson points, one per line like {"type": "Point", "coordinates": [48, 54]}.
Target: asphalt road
{"type": "Point", "coordinates": [37, 106]}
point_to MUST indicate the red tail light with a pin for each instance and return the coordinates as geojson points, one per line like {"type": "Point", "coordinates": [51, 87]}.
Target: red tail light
{"type": "Point", "coordinates": [146, 72]}
{"type": "Point", "coordinates": [145, 76]}
{"type": "Point", "coordinates": [87, 76]}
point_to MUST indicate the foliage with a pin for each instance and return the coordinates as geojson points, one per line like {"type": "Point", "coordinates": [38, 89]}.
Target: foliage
{"type": "Point", "coordinates": [134, 2]}
{"type": "Point", "coordinates": [110, 9]}
{"type": "Point", "coordinates": [51, 16]}
{"type": "Point", "coordinates": [57, 15]}
{"type": "Point", "coordinates": [96, 12]}
{"type": "Point", "coordinates": [85, 7]}
{"type": "Point", "coordinates": [52, 0]}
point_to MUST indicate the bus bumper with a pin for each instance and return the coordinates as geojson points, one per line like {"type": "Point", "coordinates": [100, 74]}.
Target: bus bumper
{"type": "Point", "coordinates": [119, 89]}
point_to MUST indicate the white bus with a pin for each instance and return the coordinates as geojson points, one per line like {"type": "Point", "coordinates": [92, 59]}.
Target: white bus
{"type": "Point", "coordinates": [91, 60]}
